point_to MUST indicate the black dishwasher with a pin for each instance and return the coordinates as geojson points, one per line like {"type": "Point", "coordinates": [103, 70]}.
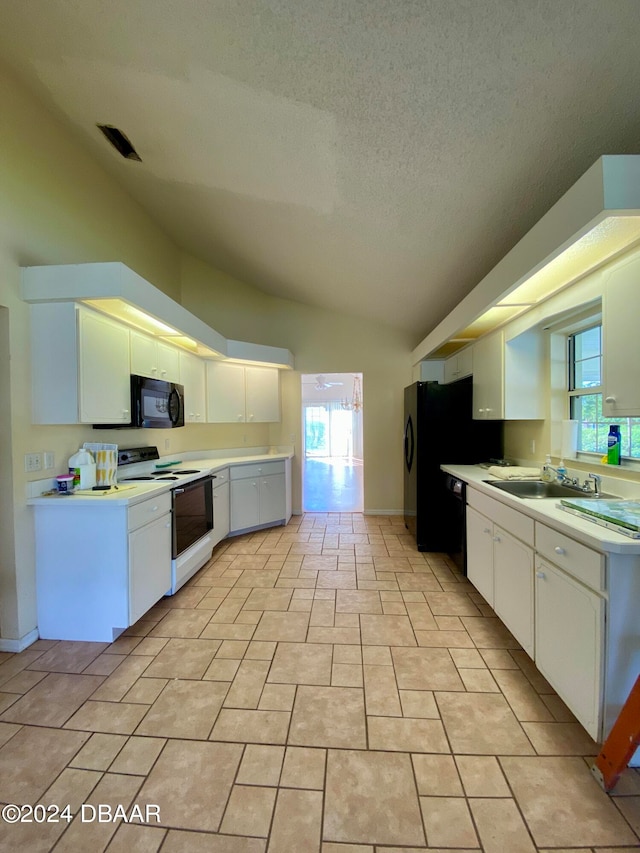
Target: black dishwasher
{"type": "Point", "coordinates": [455, 502]}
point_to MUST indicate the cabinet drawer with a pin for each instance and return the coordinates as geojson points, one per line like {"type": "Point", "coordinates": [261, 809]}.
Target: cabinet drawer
{"type": "Point", "coordinates": [260, 469]}
{"type": "Point", "coordinates": [148, 510]}
{"type": "Point", "coordinates": [221, 477]}
{"type": "Point", "coordinates": [583, 563]}
{"type": "Point", "coordinates": [518, 524]}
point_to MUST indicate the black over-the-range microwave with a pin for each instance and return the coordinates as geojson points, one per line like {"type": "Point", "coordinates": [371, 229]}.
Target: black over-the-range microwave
{"type": "Point", "coordinates": [155, 404]}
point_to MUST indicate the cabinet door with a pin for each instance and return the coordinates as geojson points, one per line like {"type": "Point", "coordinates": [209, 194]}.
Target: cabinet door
{"type": "Point", "coordinates": [451, 372]}
{"type": "Point", "coordinates": [620, 342]}
{"type": "Point", "coordinates": [272, 498]}
{"type": "Point", "coordinates": [168, 361]}
{"type": "Point", "coordinates": [465, 362]}
{"type": "Point", "coordinates": [225, 393]}
{"type": "Point", "coordinates": [192, 373]}
{"type": "Point", "coordinates": [480, 553]}
{"type": "Point", "coordinates": [221, 519]}
{"type": "Point", "coordinates": [149, 566]}
{"type": "Point", "coordinates": [513, 586]}
{"type": "Point", "coordinates": [488, 376]}
{"type": "Point", "coordinates": [144, 361]}
{"type": "Point", "coordinates": [245, 503]}
{"type": "Point", "coordinates": [263, 394]}
{"type": "Point", "coordinates": [568, 638]}
{"type": "Point", "coordinates": [104, 384]}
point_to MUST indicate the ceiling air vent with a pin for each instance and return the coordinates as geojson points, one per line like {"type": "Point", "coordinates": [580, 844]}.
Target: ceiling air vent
{"type": "Point", "coordinates": [120, 142]}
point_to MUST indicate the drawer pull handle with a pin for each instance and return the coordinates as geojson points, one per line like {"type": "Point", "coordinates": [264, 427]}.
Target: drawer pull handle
{"type": "Point", "coordinates": [559, 550]}
{"type": "Point", "coordinates": [154, 509]}
{"type": "Point", "coordinates": [497, 539]}
{"type": "Point", "coordinates": [540, 575]}
{"type": "Point", "coordinates": [486, 530]}
{"type": "Point", "coordinates": [168, 524]}
{"type": "Point", "coordinates": [609, 399]}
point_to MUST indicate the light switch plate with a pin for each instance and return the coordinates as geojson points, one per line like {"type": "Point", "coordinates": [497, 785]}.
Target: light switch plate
{"type": "Point", "coordinates": [32, 462]}
{"type": "Point", "coordinates": [49, 459]}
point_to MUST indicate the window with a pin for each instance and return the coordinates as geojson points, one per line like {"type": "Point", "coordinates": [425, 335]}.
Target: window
{"type": "Point", "coordinates": [585, 397]}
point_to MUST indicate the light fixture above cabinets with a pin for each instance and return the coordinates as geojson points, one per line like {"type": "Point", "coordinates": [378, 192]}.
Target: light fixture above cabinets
{"type": "Point", "coordinates": [596, 220]}
{"type": "Point", "coordinates": [119, 292]}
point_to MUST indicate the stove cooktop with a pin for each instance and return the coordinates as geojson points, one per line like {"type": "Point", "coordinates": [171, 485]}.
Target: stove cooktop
{"type": "Point", "coordinates": [174, 474]}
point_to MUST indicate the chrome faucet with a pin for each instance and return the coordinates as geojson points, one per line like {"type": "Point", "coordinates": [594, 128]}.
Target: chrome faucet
{"type": "Point", "coordinates": [596, 483]}
{"type": "Point", "coordinates": [562, 479]}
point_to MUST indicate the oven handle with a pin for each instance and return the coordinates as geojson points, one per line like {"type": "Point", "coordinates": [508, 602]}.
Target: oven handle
{"type": "Point", "coordinates": [194, 484]}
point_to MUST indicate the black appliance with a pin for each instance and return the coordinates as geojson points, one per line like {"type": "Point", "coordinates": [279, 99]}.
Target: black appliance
{"type": "Point", "coordinates": [192, 516]}
{"type": "Point", "coordinates": [155, 404]}
{"type": "Point", "coordinates": [439, 429]}
{"type": "Point", "coordinates": [455, 498]}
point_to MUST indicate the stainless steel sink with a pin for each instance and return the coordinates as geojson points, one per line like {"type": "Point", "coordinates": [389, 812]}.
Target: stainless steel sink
{"type": "Point", "coordinates": [540, 489]}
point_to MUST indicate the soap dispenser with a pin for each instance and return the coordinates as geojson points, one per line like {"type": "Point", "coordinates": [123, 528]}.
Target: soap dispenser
{"type": "Point", "coordinates": [561, 471]}
{"type": "Point", "coordinates": [546, 469]}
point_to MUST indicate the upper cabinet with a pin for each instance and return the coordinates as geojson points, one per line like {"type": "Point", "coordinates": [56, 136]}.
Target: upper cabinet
{"type": "Point", "coordinates": [192, 373]}
{"type": "Point", "coordinates": [508, 377]}
{"type": "Point", "coordinates": [459, 365]}
{"type": "Point", "coordinates": [80, 366]}
{"type": "Point", "coordinates": [150, 357]}
{"type": "Point", "coordinates": [621, 342]}
{"type": "Point", "coordinates": [237, 394]}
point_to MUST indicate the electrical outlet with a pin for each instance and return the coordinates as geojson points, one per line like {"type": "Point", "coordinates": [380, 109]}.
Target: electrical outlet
{"type": "Point", "coordinates": [32, 462]}
{"type": "Point", "coordinates": [49, 459]}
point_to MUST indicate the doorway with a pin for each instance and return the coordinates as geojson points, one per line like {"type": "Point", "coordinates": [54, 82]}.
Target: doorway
{"type": "Point", "coordinates": [332, 470]}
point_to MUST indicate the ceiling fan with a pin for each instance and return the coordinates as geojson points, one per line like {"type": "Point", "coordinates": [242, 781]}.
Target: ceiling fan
{"type": "Point", "coordinates": [322, 384]}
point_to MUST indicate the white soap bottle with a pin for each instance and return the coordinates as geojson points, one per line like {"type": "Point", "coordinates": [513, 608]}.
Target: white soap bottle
{"type": "Point", "coordinates": [547, 476]}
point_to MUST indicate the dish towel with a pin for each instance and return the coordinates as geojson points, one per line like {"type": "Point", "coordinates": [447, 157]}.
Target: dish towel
{"type": "Point", "coordinates": [515, 472]}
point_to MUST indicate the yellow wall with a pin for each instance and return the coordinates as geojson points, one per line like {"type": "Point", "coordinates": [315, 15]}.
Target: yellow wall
{"type": "Point", "coordinates": [58, 206]}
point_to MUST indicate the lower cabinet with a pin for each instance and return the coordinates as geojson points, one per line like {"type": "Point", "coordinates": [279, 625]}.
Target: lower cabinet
{"type": "Point", "coordinates": [480, 553]}
{"type": "Point", "coordinates": [258, 495]}
{"type": "Point", "coordinates": [221, 522]}
{"type": "Point", "coordinates": [149, 563]}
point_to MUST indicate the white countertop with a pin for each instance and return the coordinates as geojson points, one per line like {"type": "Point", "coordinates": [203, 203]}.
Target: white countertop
{"type": "Point", "coordinates": [547, 510]}
{"type": "Point", "coordinates": [145, 489]}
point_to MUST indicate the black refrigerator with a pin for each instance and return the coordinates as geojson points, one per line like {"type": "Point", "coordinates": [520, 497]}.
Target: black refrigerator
{"type": "Point", "coordinates": [439, 429]}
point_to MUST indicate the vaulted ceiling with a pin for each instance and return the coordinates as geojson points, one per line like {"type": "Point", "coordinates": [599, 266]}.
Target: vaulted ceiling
{"type": "Point", "coordinates": [375, 157]}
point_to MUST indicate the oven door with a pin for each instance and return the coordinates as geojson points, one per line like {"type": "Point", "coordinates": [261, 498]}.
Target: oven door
{"type": "Point", "coordinates": [192, 514]}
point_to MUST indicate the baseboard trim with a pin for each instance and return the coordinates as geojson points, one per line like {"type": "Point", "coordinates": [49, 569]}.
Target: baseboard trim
{"type": "Point", "coordinates": [20, 645]}
{"type": "Point", "coordinates": [383, 512]}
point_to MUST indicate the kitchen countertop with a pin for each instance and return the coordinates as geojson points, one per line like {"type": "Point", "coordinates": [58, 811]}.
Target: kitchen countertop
{"type": "Point", "coordinates": [146, 489]}
{"type": "Point", "coordinates": [547, 510]}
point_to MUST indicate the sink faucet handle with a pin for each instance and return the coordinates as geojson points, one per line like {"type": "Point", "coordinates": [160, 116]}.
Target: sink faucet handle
{"type": "Point", "coordinates": [596, 482]}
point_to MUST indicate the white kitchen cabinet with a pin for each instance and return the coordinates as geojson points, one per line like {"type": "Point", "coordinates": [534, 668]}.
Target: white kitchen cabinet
{"type": "Point", "coordinates": [258, 495]}
{"type": "Point", "coordinates": [192, 374]}
{"type": "Point", "coordinates": [99, 565]}
{"type": "Point", "coordinates": [239, 394]}
{"type": "Point", "coordinates": [501, 568]}
{"type": "Point", "coordinates": [79, 366]}
{"type": "Point", "coordinates": [507, 377]}
{"type": "Point", "coordinates": [459, 365]}
{"type": "Point", "coordinates": [149, 562]}
{"type": "Point", "coordinates": [154, 358]}
{"type": "Point", "coordinates": [221, 508]}
{"type": "Point", "coordinates": [568, 638]}
{"type": "Point", "coordinates": [621, 342]}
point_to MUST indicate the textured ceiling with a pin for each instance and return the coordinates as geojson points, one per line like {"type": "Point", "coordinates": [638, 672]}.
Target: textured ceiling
{"type": "Point", "coordinates": [376, 157]}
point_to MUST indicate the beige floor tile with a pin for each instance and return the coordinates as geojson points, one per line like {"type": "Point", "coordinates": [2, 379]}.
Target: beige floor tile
{"type": "Point", "coordinates": [498, 659]}
{"type": "Point", "coordinates": [249, 811]}
{"type": "Point", "coordinates": [349, 654]}
{"type": "Point", "coordinates": [53, 700]}
{"type": "Point", "coordinates": [314, 562]}
{"type": "Point", "coordinates": [381, 691]}
{"type": "Point", "coordinates": [72, 787]}
{"type": "Point", "coordinates": [418, 704]}
{"type": "Point", "coordinates": [99, 751]}
{"type": "Point", "coordinates": [191, 783]}
{"type": "Point", "coordinates": [322, 614]}
{"type": "Point", "coordinates": [451, 604]}
{"type": "Point", "coordinates": [104, 664]}
{"type": "Point", "coordinates": [260, 650]}
{"type": "Point", "coordinates": [183, 658]}
{"type": "Point", "coordinates": [396, 608]}
{"type": "Point", "coordinates": [500, 826]}
{"type": "Point", "coordinates": [122, 680]}
{"type": "Point", "coordinates": [301, 663]}
{"type": "Point", "coordinates": [178, 841]}
{"type": "Point", "coordinates": [337, 580]}
{"type": "Point", "coordinates": [423, 582]}
{"type": "Point", "coordinates": [478, 681]}
{"type": "Point", "coordinates": [133, 838]}
{"type": "Point", "coordinates": [386, 631]}
{"type": "Point", "coordinates": [181, 623]}
{"type": "Point", "coordinates": [562, 805]}
{"type": "Point", "coordinates": [371, 798]}
{"type": "Point", "coordinates": [268, 599]}
{"type": "Point", "coordinates": [336, 636]}
{"type": "Point", "coordinates": [481, 724]}
{"type": "Point", "coordinates": [404, 734]}
{"type": "Point", "coordinates": [331, 847]}
{"type": "Point", "coordinates": [481, 776]}
{"type": "Point", "coordinates": [222, 669]}
{"type": "Point", "coordinates": [261, 765]}
{"type": "Point", "coordinates": [138, 755]}
{"type": "Point", "coordinates": [251, 726]}
{"type": "Point", "coordinates": [277, 697]}
{"type": "Point", "coordinates": [232, 649]}
{"type": "Point", "coordinates": [240, 630]}
{"type": "Point", "coordinates": [169, 717]}
{"type": "Point", "coordinates": [437, 775]}
{"type": "Point", "coordinates": [444, 639]}
{"type": "Point", "coordinates": [467, 658]}
{"type": "Point", "coordinates": [447, 822]}
{"type": "Point", "coordinates": [247, 686]}
{"type": "Point", "coordinates": [449, 623]}
{"type": "Point", "coordinates": [377, 655]}
{"type": "Point", "coordinates": [304, 768]}
{"type": "Point", "coordinates": [100, 717]}
{"type": "Point", "coordinates": [297, 822]}
{"type": "Point", "coordinates": [8, 730]}
{"type": "Point", "coordinates": [489, 633]}
{"type": "Point", "coordinates": [31, 837]}
{"type": "Point", "coordinates": [328, 716]}
{"type": "Point", "coordinates": [425, 669]}
{"type": "Point", "coordinates": [421, 617]}
{"type": "Point", "coordinates": [560, 739]}
{"type": "Point", "coordinates": [358, 601]}
{"type": "Point", "coordinates": [282, 627]}
{"type": "Point", "coordinates": [559, 711]}
{"type": "Point", "coordinates": [68, 657]}
{"type": "Point", "coordinates": [145, 691]}
{"type": "Point", "coordinates": [347, 675]}
{"type": "Point", "coordinates": [258, 578]}
{"type": "Point", "coordinates": [524, 701]}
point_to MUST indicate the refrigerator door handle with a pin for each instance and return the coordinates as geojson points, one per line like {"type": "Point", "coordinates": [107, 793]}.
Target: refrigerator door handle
{"type": "Point", "coordinates": [409, 443]}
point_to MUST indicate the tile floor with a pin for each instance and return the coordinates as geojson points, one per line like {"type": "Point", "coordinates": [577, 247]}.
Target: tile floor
{"type": "Point", "coordinates": [319, 688]}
